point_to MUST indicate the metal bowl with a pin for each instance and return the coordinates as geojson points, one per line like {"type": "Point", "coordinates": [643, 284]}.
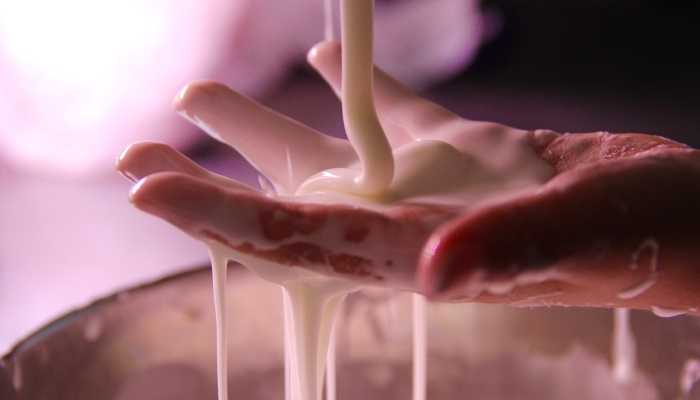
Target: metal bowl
{"type": "Point", "coordinates": [157, 341]}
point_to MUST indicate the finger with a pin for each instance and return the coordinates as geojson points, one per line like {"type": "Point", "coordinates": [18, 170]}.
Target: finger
{"type": "Point", "coordinates": [404, 115]}
{"type": "Point", "coordinates": [145, 158]}
{"type": "Point", "coordinates": [623, 234]}
{"type": "Point", "coordinates": [341, 241]}
{"type": "Point", "coordinates": [283, 150]}
{"type": "Point", "coordinates": [573, 151]}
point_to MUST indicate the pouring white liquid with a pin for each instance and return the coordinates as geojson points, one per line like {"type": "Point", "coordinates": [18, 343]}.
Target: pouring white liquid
{"type": "Point", "coordinates": [311, 301]}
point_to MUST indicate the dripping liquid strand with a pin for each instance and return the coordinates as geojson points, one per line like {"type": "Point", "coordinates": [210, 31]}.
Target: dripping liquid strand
{"type": "Point", "coordinates": [624, 347]}
{"type": "Point", "coordinates": [219, 266]}
{"type": "Point", "coordinates": [420, 346]}
{"type": "Point", "coordinates": [311, 301]}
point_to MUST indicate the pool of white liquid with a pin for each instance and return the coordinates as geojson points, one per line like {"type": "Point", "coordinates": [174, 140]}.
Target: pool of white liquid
{"type": "Point", "coordinates": [159, 342]}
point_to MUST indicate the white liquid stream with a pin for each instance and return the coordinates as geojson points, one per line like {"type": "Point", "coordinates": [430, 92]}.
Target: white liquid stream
{"type": "Point", "coordinates": [624, 347]}
{"type": "Point", "coordinates": [311, 301]}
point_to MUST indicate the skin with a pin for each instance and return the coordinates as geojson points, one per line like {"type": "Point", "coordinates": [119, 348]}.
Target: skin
{"type": "Point", "coordinates": [616, 210]}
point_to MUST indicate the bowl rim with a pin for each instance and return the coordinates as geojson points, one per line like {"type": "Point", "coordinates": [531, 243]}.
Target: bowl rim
{"type": "Point", "coordinates": [64, 320]}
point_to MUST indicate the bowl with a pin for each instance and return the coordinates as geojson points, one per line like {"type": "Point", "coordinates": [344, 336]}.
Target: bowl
{"type": "Point", "coordinates": [157, 341]}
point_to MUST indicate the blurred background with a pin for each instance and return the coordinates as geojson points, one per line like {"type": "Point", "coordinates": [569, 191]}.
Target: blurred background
{"type": "Point", "coordinates": [80, 80]}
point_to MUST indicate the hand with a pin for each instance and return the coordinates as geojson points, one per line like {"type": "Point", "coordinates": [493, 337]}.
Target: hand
{"type": "Point", "coordinates": [559, 240]}
{"type": "Point", "coordinates": [617, 226]}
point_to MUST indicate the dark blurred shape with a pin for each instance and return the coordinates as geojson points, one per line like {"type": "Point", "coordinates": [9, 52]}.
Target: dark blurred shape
{"type": "Point", "coordinates": [579, 66]}
{"type": "Point", "coordinates": [639, 48]}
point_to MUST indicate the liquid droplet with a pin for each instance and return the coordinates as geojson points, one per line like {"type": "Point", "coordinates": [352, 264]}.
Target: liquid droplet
{"type": "Point", "coordinates": [639, 288]}
{"type": "Point", "coordinates": [689, 376]}
{"type": "Point", "coordinates": [500, 288]}
{"type": "Point", "coordinates": [635, 290]}
{"type": "Point", "coordinates": [93, 329]}
{"type": "Point", "coordinates": [666, 312]}
{"type": "Point", "coordinates": [651, 244]}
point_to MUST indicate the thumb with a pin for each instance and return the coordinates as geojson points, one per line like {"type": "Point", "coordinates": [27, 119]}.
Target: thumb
{"type": "Point", "coordinates": [584, 226]}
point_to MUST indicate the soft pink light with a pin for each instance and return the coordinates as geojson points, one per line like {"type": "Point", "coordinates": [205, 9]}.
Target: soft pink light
{"type": "Point", "coordinates": [82, 79]}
